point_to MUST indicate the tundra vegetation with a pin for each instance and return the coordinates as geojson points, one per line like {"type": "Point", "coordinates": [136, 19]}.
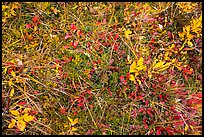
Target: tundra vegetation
{"type": "Point", "coordinates": [110, 68]}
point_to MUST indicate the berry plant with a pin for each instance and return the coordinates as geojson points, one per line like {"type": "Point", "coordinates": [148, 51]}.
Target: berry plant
{"type": "Point", "coordinates": [101, 68]}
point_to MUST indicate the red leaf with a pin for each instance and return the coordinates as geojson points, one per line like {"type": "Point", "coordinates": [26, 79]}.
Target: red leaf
{"type": "Point", "coordinates": [141, 109]}
{"type": "Point", "coordinates": [57, 61]}
{"type": "Point", "coordinates": [70, 58]}
{"type": "Point", "coordinates": [145, 126]}
{"type": "Point", "coordinates": [116, 37]}
{"type": "Point", "coordinates": [88, 91]}
{"type": "Point", "coordinates": [170, 132]}
{"type": "Point", "coordinates": [9, 70]}
{"type": "Point", "coordinates": [147, 102]}
{"type": "Point", "coordinates": [98, 23]}
{"type": "Point", "coordinates": [128, 75]}
{"type": "Point", "coordinates": [121, 78]}
{"type": "Point", "coordinates": [63, 110]}
{"type": "Point", "coordinates": [116, 47]}
{"type": "Point", "coordinates": [169, 35]}
{"type": "Point", "coordinates": [34, 19]}
{"type": "Point", "coordinates": [104, 21]}
{"type": "Point", "coordinates": [177, 117]}
{"type": "Point", "coordinates": [68, 35]}
{"type": "Point", "coordinates": [148, 112]}
{"type": "Point", "coordinates": [125, 82]}
{"type": "Point", "coordinates": [91, 105]}
{"type": "Point", "coordinates": [179, 123]}
{"type": "Point", "coordinates": [75, 113]}
{"type": "Point", "coordinates": [160, 96]}
{"type": "Point", "coordinates": [35, 92]}
{"type": "Point", "coordinates": [28, 25]}
{"type": "Point", "coordinates": [88, 44]}
{"type": "Point", "coordinates": [199, 95]}
{"type": "Point", "coordinates": [79, 32]}
{"type": "Point", "coordinates": [73, 27]}
{"type": "Point", "coordinates": [9, 64]}
{"type": "Point", "coordinates": [22, 103]}
{"type": "Point", "coordinates": [80, 104]}
{"type": "Point", "coordinates": [158, 132]}
{"type": "Point", "coordinates": [152, 40]}
{"type": "Point", "coordinates": [66, 47]}
{"type": "Point", "coordinates": [38, 22]}
{"type": "Point", "coordinates": [75, 44]}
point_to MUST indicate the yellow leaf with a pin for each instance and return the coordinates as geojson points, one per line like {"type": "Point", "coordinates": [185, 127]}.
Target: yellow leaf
{"type": "Point", "coordinates": [4, 7]}
{"type": "Point", "coordinates": [14, 112]}
{"type": "Point", "coordinates": [144, 68]}
{"type": "Point", "coordinates": [74, 129]}
{"type": "Point", "coordinates": [129, 61]}
{"type": "Point", "coordinates": [26, 110]}
{"type": "Point", "coordinates": [149, 74]}
{"type": "Point", "coordinates": [65, 125]}
{"type": "Point", "coordinates": [10, 82]}
{"type": "Point", "coordinates": [13, 74]}
{"type": "Point", "coordinates": [186, 128]}
{"type": "Point", "coordinates": [159, 64]}
{"type": "Point", "coordinates": [25, 70]}
{"type": "Point", "coordinates": [139, 81]}
{"type": "Point", "coordinates": [133, 67]}
{"type": "Point", "coordinates": [127, 33]}
{"type": "Point", "coordinates": [21, 125]}
{"type": "Point", "coordinates": [140, 62]}
{"type": "Point", "coordinates": [75, 7]}
{"type": "Point", "coordinates": [28, 118]}
{"type": "Point", "coordinates": [162, 68]}
{"type": "Point", "coordinates": [4, 20]}
{"type": "Point", "coordinates": [19, 118]}
{"type": "Point", "coordinates": [5, 70]}
{"type": "Point", "coordinates": [191, 127]}
{"type": "Point", "coordinates": [70, 120]}
{"type": "Point", "coordinates": [12, 92]}
{"type": "Point", "coordinates": [136, 74]}
{"type": "Point", "coordinates": [190, 43]}
{"type": "Point", "coordinates": [35, 28]}
{"type": "Point", "coordinates": [73, 122]}
{"type": "Point", "coordinates": [12, 124]}
{"type": "Point", "coordinates": [132, 78]}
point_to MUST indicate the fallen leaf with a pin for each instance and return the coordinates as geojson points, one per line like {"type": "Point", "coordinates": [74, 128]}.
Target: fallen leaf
{"type": "Point", "coordinates": [28, 118]}
{"type": "Point", "coordinates": [14, 112]}
{"type": "Point", "coordinates": [21, 125]}
{"type": "Point", "coordinates": [12, 124]}
{"type": "Point", "coordinates": [127, 33]}
{"type": "Point", "coordinates": [132, 78]}
{"type": "Point", "coordinates": [73, 122]}
{"type": "Point", "coordinates": [12, 92]}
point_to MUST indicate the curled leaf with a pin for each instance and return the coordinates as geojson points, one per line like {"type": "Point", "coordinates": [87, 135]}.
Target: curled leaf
{"type": "Point", "coordinates": [139, 81]}
{"type": "Point", "coordinates": [12, 124]}
{"type": "Point", "coordinates": [132, 78]}
{"type": "Point", "coordinates": [14, 112]}
{"type": "Point", "coordinates": [21, 125]}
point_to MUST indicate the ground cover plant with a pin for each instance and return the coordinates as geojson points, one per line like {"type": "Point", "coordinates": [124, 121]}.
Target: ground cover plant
{"type": "Point", "coordinates": [110, 68]}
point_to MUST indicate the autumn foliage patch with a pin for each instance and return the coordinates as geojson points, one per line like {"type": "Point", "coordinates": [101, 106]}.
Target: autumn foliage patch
{"type": "Point", "coordinates": [110, 68]}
